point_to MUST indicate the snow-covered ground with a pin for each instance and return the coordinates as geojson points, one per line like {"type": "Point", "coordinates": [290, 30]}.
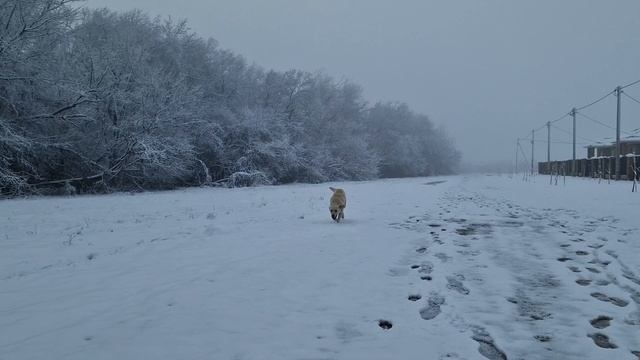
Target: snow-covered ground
{"type": "Point", "coordinates": [461, 267]}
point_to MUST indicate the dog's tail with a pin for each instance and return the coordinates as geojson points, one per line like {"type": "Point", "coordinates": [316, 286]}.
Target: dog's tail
{"type": "Point", "coordinates": [332, 189]}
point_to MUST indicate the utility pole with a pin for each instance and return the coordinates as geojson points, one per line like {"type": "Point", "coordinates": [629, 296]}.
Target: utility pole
{"type": "Point", "coordinates": [618, 91]}
{"type": "Point", "coordinates": [533, 140]}
{"type": "Point", "coordinates": [549, 151]}
{"type": "Point", "coordinates": [573, 163]}
{"type": "Point", "coordinates": [517, 148]}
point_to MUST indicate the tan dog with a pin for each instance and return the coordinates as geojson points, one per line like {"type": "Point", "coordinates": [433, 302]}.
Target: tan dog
{"type": "Point", "coordinates": [337, 204]}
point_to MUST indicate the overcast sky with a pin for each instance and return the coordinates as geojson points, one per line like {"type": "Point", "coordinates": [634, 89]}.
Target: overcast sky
{"type": "Point", "coordinates": [489, 70]}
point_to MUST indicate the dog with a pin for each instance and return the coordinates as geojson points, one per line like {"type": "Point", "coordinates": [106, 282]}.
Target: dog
{"type": "Point", "coordinates": [337, 204]}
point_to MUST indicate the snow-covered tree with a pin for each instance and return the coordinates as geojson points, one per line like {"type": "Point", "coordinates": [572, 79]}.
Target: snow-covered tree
{"type": "Point", "coordinates": [96, 100]}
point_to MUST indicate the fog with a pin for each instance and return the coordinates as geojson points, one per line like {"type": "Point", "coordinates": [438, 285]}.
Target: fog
{"type": "Point", "coordinates": [489, 70]}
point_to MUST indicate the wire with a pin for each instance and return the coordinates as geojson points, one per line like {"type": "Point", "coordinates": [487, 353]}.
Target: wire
{"type": "Point", "coordinates": [561, 142]}
{"type": "Point", "coordinates": [595, 102]}
{"type": "Point", "coordinates": [603, 124]}
{"type": "Point", "coordinates": [560, 118]}
{"type": "Point", "coordinates": [587, 117]}
{"type": "Point", "coordinates": [570, 133]}
{"type": "Point", "coordinates": [596, 121]}
{"type": "Point", "coordinates": [630, 97]}
{"type": "Point", "coordinates": [526, 160]}
{"type": "Point", "coordinates": [563, 130]}
{"type": "Point", "coordinates": [631, 84]}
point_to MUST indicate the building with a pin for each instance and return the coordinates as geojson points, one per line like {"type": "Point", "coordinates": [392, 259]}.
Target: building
{"type": "Point", "coordinates": [627, 146]}
{"type": "Point", "coordinates": [600, 162]}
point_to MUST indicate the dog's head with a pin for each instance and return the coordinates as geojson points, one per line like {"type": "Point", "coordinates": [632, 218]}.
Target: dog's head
{"type": "Point", "coordinates": [335, 211]}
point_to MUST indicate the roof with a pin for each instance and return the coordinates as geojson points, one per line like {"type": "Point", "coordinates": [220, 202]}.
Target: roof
{"type": "Point", "coordinates": [622, 141]}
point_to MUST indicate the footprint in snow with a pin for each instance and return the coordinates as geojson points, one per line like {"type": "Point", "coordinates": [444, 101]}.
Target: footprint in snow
{"type": "Point", "coordinates": [426, 268]}
{"type": "Point", "coordinates": [443, 257]}
{"type": "Point", "coordinates": [602, 341]}
{"type": "Point", "coordinates": [398, 272]}
{"type": "Point", "coordinates": [600, 262]}
{"type": "Point", "coordinates": [614, 300]}
{"type": "Point", "coordinates": [487, 346]}
{"type": "Point", "coordinates": [627, 274]}
{"type": "Point", "coordinates": [601, 322]}
{"type": "Point", "coordinates": [455, 283]}
{"type": "Point", "coordinates": [433, 307]}
{"type": "Point", "coordinates": [543, 338]}
{"type": "Point", "coordinates": [385, 324]}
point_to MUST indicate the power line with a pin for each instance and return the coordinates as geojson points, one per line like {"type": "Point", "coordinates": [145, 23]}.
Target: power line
{"type": "Point", "coordinates": [630, 97]}
{"type": "Point", "coordinates": [595, 102]}
{"type": "Point", "coordinates": [572, 113]}
{"type": "Point", "coordinates": [540, 128]}
{"type": "Point", "coordinates": [569, 132]}
{"type": "Point", "coordinates": [561, 142]}
{"type": "Point", "coordinates": [631, 84]}
{"type": "Point", "coordinates": [560, 118]}
{"type": "Point", "coordinates": [595, 121]}
{"type": "Point", "coordinates": [561, 129]}
{"type": "Point", "coordinates": [526, 160]}
{"type": "Point", "coordinates": [601, 123]}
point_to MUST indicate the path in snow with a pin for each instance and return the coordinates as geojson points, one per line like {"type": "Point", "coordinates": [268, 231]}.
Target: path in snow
{"type": "Point", "coordinates": [518, 260]}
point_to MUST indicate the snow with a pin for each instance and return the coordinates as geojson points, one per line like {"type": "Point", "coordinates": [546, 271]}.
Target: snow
{"type": "Point", "coordinates": [264, 273]}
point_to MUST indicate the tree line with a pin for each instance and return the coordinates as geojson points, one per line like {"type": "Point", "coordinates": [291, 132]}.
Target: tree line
{"type": "Point", "coordinates": [96, 101]}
